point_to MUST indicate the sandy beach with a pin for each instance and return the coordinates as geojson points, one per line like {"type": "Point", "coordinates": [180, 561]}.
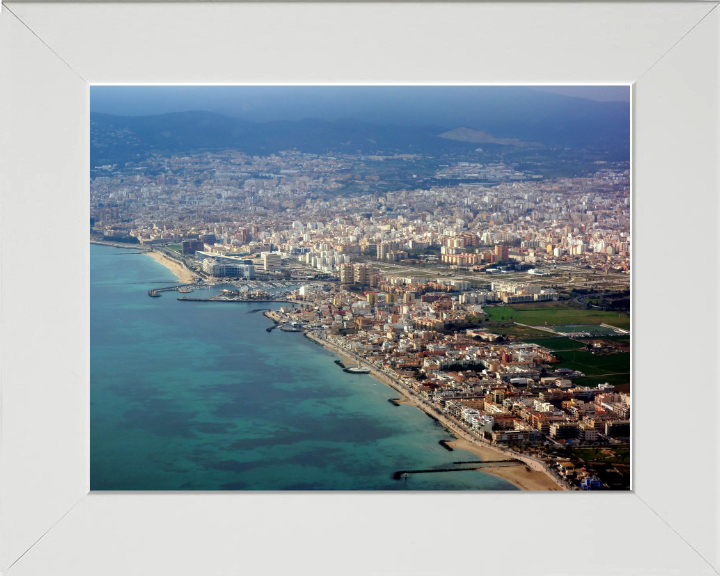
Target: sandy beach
{"type": "Point", "coordinates": [529, 476]}
{"type": "Point", "coordinates": [183, 274]}
{"type": "Point", "coordinates": [484, 452]}
{"type": "Point", "coordinates": [523, 477]}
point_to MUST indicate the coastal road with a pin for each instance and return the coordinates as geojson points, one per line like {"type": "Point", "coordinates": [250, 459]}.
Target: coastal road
{"type": "Point", "coordinates": [456, 428]}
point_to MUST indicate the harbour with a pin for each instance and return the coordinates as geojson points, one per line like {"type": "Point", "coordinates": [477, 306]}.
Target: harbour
{"type": "Point", "coordinates": [212, 396]}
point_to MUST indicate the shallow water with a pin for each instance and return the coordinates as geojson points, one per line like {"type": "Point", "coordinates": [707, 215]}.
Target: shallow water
{"type": "Point", "coordinates": [199, 396]}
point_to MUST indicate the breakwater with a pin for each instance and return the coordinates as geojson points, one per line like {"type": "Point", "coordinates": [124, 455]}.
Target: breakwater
{"type": "Point", "coordinates": [175, 411]}
{"type": "Point", "coordinates": [400, 473]}
{"type": "Point", "coordinates": [234, 300]}
{"type": "Point", "coordinates": [155, 292]}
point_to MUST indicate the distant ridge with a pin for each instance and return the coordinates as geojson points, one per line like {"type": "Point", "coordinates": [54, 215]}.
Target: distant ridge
{"type": "Point", "coordinates": [122, 139]}
{"type": "Point", "coordinates": [117, 139]}
{"type": "Point", "coordinates": [470, 135]}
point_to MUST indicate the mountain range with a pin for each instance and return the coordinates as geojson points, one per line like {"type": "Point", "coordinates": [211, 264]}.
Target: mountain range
{"type": "Point", "coordinates": [425, 124]}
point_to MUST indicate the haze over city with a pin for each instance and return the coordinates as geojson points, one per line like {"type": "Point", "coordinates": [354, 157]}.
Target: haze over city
{"type": "Point", "coordinates": [332, 264]}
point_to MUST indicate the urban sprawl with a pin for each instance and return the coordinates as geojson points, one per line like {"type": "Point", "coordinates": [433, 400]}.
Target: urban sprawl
{"type": "Point", "coordinates": [494, 299]}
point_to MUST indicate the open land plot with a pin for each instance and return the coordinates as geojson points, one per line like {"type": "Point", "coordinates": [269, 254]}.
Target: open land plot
{"type": "Point", "coordinates": [500, 313]}
{"type": "Point", "coordinates": [556, 343]}
{"type": "Point", "coordinates": [530, 306]}
{"type": "Point", "coordinates": [594, 329]}
{"type": "Point", "coordinates": [611, 368]}
{"type": "Point", "coordinates": [565, 316]}
{"type": "Point", "coordinates": [619, 339]}
{"type": "Point", "coordinates": [620, 381]}
{"type": "Point", "coordinates": [510, 329]}
{"type": "Point", "coordinates": [592, 364]}
{"type": "Point", "coordinates": [610, 455]}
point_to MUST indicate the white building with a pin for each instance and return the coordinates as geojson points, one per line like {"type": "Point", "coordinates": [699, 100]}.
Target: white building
{"type": "Point", "coordinates": [271, 260]}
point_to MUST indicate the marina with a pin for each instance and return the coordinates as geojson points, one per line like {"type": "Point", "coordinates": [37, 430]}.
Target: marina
{"type": "Point", "coordinates": [255, 386]}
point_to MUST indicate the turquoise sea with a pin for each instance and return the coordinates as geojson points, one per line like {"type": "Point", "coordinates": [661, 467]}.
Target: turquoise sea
{"type": "Point", "coordinates": [199, 396]}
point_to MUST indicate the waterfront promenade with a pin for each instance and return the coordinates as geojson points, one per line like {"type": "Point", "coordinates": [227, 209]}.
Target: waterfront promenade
{"type": "Point", "coordinates": [538, 477]}
{"type": "Point", "coordinates": [535, 475]}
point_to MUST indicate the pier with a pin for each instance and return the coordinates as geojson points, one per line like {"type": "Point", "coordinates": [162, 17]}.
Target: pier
{"type": "Point", "coordinates": [155, 292]}
{"type": "Point", "coordinates": [399, 474]}
{"type": "Point", "coordinates": [183, 299]}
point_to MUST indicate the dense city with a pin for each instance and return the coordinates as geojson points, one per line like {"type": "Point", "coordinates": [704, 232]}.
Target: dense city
{"type": "Point", "coordinates": [491, 296]}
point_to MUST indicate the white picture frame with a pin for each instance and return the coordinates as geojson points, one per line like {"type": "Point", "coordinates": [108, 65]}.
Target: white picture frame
{"type": "Point", "coordinates": [49, 522]}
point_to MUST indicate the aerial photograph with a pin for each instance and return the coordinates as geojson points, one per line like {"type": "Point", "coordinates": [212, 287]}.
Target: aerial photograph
{"type": "Point", "coordinates": [360, 288]}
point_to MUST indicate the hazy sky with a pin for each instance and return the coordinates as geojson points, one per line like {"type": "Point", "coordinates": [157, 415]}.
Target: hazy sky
{"type": "Point", "coordinates": [597, 93]}
{"type": "Point", "coordinates": [267, 103]}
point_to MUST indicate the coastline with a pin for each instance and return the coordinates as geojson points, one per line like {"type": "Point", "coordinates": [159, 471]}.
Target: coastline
{"type": "Point", "coordinates": [531, 476]}
{"type": "Point", "coordinates": [524, 478]}
{"type": "Point", "coordinates": [139, 247]}
{"type": "Point", "coordinates": [182, 273]}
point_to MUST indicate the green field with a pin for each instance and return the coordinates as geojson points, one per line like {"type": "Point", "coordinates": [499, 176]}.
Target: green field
{"type": "Point", "coordinates": [621, 339]}
{"type": "Point", "coordinates": [593, 381]}
{"type": "Point", "coordinates": [521, 332]}
{"type": "Point", "coordinates": [617, 456]}
{"type": "Point", "coordinates": [556, 343]}
{"type": "Point", "coordinates": [611, 368]}
{"type": "Point", "coordinates": [565, 316]}
{"type": "Point", "coordinates": [500, 313]}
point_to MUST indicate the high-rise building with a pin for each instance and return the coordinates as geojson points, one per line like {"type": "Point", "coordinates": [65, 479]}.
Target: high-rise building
{"type": "Point", "coordinates": [501, 253]}
{"type": "Point", "coordinates": [243, 235]}
{"type": "Point", "coordinates": [355, 273]}
{"type": "Point", "coordinates": [362, 273]}
{"type": "Point", "coordinates": [271, 260]}
{"type": "Point", "coordinates": [382, 250]}
{"type": "Point", "coordinates": [191, 246]}
{"type": "Point", "coordinates": [347, 273]}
